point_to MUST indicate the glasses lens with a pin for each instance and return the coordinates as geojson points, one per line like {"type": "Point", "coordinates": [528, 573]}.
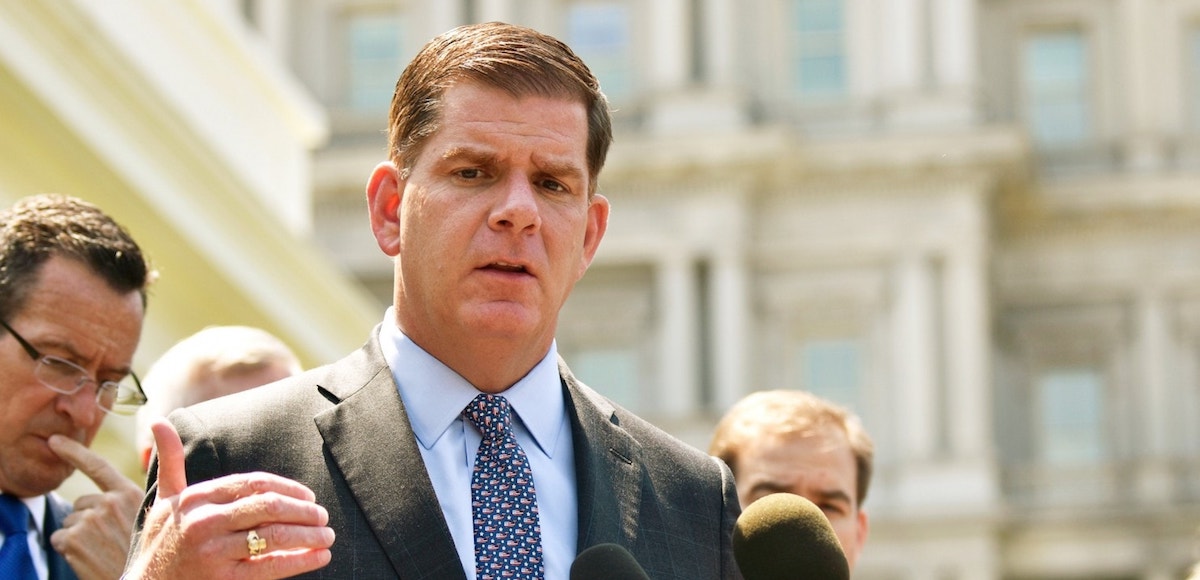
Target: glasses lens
{"type": "Point", "coordinates": [122, 398]}
{"type": "Point", "coordinates": [59, 375]}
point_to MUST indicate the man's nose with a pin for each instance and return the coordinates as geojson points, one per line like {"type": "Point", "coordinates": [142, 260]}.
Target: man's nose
{"type": "Point", "coordinates": [81, 406]}
{"type": "Point", "coordinates": [517, 206]}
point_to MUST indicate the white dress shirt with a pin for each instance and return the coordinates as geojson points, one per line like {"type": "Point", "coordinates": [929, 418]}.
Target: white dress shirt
{"type": "Point", "coordinates": [434, 397]}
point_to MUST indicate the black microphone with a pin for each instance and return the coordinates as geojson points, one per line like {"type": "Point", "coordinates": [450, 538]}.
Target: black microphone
{"type": "Point", "coordinates": [786, 537]}
{"type": "Point", "coordinates": [606, 562]}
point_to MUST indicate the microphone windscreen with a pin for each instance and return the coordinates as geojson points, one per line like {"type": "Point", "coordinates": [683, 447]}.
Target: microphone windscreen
{"type": "Point", "coordinates": [606, 562]}
{"type": "Point", "coordinates": [784, 536]}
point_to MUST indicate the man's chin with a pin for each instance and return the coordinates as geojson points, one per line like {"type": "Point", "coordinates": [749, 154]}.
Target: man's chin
{"type": "Point", "coordinates": [503, 319]}
{"type": "Point", "coordinates": [42, 477]}
{"type": "Point", "coordinates": [33, 485]}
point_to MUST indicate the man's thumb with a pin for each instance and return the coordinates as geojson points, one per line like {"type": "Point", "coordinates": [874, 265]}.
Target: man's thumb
{"type": "Point", "coordinates": [172, 479]}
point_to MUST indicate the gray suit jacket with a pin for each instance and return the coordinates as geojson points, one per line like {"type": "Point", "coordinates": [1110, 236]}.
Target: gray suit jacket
{"type": "Point", "coordinates": [342, 430]}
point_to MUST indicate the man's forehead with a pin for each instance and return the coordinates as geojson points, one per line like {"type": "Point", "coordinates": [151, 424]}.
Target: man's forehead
{"type": "Point", "coordinates": [797, 455]}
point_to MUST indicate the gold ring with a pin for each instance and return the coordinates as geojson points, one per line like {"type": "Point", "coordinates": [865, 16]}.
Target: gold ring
{"type": "Point", "coordinates": [255, 544]}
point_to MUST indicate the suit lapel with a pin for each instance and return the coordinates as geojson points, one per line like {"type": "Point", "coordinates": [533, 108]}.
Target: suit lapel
{"type": "Point", "coordinates": [369, 437]}
{"type": "Point", "coordinates": [56, 510]}
{"type": "Point", "coordinates": [608, 468]}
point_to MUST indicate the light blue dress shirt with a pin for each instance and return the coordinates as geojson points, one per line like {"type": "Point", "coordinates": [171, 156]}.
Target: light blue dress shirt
{"type": "Point", "coordinates": [434, 397]}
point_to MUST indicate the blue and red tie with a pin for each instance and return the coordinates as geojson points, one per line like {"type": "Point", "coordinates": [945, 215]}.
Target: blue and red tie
{"type": "Point", "coordinates": [504, 511]}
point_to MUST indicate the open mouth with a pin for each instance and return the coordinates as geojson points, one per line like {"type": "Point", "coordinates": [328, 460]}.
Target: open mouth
{"type": "Point", "coordinates": [506, 267]}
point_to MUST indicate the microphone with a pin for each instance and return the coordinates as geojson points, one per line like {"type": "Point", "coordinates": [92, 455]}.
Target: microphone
{"type": "Point", "coordinates": [784, 536]}
{"type": "Point", "coordinates": [606, 562]}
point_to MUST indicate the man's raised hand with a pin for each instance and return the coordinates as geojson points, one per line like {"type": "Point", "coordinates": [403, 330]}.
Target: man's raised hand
{"type": "Point", "coordinates": [201, 531]}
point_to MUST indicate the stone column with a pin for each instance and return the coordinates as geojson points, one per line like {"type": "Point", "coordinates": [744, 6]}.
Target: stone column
{"type": "Point", "coordinates": [1138, 69]}
{"type": "Point", "coordinates": [718, 43]}
{"type": "Point", "coordinates": [676, 305]}
{"type": "Point", "coordinates": [669, 44]}
{"type": "Point", "coordinates": [729, 338]}
{"type": "Point", "coordinates": [1155, 483]}
{"type": "Point", "coordinates": [914, 356]}
{"type": "Point", "coordinates": [902, 29]}
{"type": "Point", "coordinates": [968, 364]}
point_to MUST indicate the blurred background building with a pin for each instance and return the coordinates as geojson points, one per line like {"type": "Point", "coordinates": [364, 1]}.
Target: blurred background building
{"type": "Point", "coordinates": [975, 222]}
{"type": "Point", "coordinates": [176, 119]}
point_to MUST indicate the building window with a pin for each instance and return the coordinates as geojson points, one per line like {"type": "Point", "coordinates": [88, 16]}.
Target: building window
{"type": "Point", "coordinates": [1071, 417]}
{"type": "Point", "coordinates": [600, 33]}
{"type": "Point", "coordinates": [374, 42]}
{"type": "Point", "coordinates": [818, 28]}
{"type": "Point", "coordinates": [614, 372]}
{"type": "Point", "coordinates": [1056, 73]}
{"type": "Point", "coordinates": [833, 369]}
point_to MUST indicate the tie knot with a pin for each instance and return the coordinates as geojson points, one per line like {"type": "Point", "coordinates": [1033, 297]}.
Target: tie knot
{"type": "Point", "coordinates": [14, 516]}
{"type": "Point", "coordinates": [490, 414]}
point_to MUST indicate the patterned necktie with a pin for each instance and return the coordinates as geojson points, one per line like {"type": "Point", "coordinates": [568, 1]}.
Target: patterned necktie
{"type": "Point", "coordinates": [504, 512]}
{"type": "Point", "coordinates": [15, 561]}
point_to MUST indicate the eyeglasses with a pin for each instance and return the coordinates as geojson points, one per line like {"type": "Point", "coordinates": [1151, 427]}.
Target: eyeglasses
{"type": "Point", "coordinates": [63, 376]}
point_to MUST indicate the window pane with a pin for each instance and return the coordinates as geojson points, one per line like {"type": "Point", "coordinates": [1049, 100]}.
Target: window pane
{"type": "Point", "coordinates": [1056, 71]}
{"type": "Point", "coordinates": [599, 33]}
{"type": "Point", "coordinates": [374, 60]}
{"type": "Point", "coordinates": [818, 52]}
{"type": "Point", "coordinates": [612, 372]}
{"type": "Point", "coordinates": [1071, 412]}
{"type": "Point", "coordinates": [832, 369]}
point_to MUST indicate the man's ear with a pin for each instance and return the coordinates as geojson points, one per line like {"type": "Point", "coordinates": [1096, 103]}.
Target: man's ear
{"type": "Point", "coordinates": [384, 191]}
{"type": "Point", "coordinates": [597, 224]}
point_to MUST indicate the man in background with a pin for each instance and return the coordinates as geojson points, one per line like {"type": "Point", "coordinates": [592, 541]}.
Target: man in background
{"type": "Point", "coordinates": [214, 362]}
{"type": "Point", "coordinates": [795, 442]}
{"type": "Point", "coordinates": [455, 444]}
{"type": "Point", "coordinates": [72, 298]}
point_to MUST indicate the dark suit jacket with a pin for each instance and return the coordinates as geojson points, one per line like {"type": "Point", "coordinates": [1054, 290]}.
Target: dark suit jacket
{"type": "Point", "coordinates": [342, 430]}
{"type": "Point", "coordinates": [57, 509]}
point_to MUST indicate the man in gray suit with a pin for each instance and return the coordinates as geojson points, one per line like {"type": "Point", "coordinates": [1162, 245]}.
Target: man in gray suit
{"type": "Point", "coordinates": [488, 207]}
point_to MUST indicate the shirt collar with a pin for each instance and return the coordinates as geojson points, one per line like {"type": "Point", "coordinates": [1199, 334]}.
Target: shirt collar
{"type": "Point", "coordinates": [434, 395]}
{"type": "Point", "coordinates": [37, 508]}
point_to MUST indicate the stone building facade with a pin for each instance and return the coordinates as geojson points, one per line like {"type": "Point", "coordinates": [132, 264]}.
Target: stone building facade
{"type": "Point", "coordinates": [975, 222]}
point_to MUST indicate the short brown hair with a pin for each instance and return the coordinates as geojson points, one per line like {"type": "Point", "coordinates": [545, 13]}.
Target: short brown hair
{"type": "Point", "coordinates": [786, 413]}
{"type": "Point", "coordinates": [516, 59]}
{"type": "Point", "coordinates": [40, 227]}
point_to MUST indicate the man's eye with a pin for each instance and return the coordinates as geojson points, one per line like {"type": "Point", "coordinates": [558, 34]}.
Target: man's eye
{"type": "Point", "coordinates": [552, 185]}
{"type": "Point", "coordinates": [832, 509]}
{"type": "Point", "coordinates": [470, 173]}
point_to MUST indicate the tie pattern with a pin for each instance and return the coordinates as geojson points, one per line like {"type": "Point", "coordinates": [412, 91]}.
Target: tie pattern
{"type": "Point", "coordinates": [508, 537]}
{"type": "Point", "coordinates": [16, 563]}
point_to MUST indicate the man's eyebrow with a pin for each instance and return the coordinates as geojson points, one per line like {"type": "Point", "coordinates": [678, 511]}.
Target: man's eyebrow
{"type": "Point", "coordinates": [73, 354]}
{"type": "Point", "coordinates": [835, 495]}
{"type": "Point", "coordinates": [553, 167]}
{"type": "Point", "coordinates": [772, 486]}
{"type": "Point", "coordinates": [55, 344]}
{"type": "Point", "coordinates": [471, 154]}
{"type": "Point", "coordinates": [564, 169]}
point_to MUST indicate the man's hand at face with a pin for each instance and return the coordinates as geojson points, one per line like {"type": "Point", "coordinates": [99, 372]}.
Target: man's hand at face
{"type": "Point", "coordinates": [95, 537]}
{"type": "Point", "coordinates": [201, 531]}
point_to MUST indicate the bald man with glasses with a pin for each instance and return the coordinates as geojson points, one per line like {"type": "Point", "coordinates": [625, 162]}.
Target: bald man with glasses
{"type": "Point", "coordinates": [72, 300]}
